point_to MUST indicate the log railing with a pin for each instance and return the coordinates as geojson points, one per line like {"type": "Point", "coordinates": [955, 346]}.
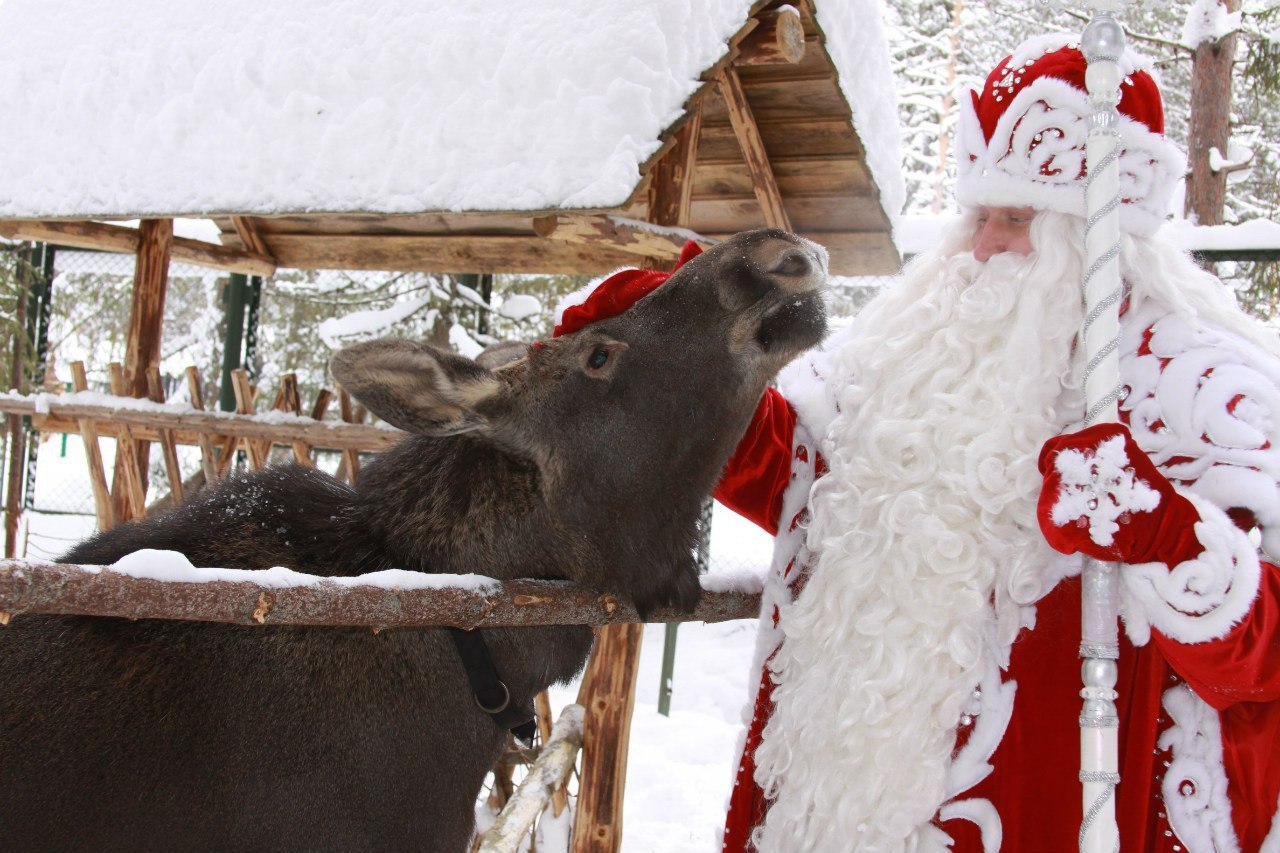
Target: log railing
{"type": "Point", "coordinates": [154, 588]}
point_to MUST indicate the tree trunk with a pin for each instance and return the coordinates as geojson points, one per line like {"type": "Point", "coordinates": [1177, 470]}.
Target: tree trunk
{"type": "Point", "coordinates": [1210, 125]}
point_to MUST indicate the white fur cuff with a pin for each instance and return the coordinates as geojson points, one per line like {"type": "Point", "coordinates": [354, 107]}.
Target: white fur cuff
{"type": "Point", "coordinates": [1197, 600]}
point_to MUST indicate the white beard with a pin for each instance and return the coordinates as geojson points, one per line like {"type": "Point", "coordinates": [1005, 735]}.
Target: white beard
{"type": "Point", "coordinates": [929, 555]}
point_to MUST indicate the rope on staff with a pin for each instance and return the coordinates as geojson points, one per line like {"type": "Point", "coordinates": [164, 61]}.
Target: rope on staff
{"type": "Point", "coordinates": [1102, 43]}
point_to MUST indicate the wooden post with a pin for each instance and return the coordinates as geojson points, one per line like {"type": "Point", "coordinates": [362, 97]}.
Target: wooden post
{"type": "Point", "coordinates": [17, 429]}
{"type": "Point", "coordinates": [93, 456]}
{"type": "Point", "coordinates": [608, 694]}
{"type": "Point", "coordinates": [142, 347]}
{"type": "Point", "coordinates": [349, 467]}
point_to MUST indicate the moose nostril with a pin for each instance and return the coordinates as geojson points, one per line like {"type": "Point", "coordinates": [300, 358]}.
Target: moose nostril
{"type": "Point", "coordinates": [793, 262]}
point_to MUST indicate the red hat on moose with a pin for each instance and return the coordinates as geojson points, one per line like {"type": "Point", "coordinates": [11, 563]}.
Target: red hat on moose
{"type": "Point", "coordinates": [613, 294]}
{"type": "Point", "coordinates": [1021, 141]}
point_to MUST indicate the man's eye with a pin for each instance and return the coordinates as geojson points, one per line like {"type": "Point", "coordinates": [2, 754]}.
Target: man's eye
{"type": "Point", "coordinates": [598, 358]}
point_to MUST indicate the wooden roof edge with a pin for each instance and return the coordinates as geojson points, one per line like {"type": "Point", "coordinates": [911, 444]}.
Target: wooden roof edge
{"type": "Point", "coordinates": [101, 236]}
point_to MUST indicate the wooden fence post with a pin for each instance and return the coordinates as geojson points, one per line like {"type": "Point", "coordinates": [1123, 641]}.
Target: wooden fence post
{"type": "Point", "coordinates": [608, 694]}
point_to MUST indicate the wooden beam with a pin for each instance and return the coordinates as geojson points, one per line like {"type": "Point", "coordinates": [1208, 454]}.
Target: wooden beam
{"type": "Point", "coordinates": [249, 233]}
{"type": "Point", "coordinates": [101, 236]}
{"type": "Point", "coordinates": [461, 253]}
{"type": "Point", "coordinates": [613, 233]}
{"type": "Point", "coordinates": [753, 150]}
{"type": "Point", "coordinates": [778, 40]}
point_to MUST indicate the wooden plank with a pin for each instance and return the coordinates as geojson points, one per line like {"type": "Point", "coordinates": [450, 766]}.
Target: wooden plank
{"type": "Point", "coordinates": [608, 695]}
{"type": "Point", "coordinates": [612, 233]}
{"type": "Point", "coordinates": [130, 492]}
{"type": "Point", "coordinates": [796, 176]}
{"type": "Point", "coordinates": [118, 238]}
{"type": "Point", "coordinates": [102, 507]}
{"type": "Point", "coordinates": [169, 450]}
{"type": "Point", "coordinates": [195, 390]}
{"type": "Point", "coordinates": [802, 137]}
{"type": "Point", "coordinates": [458, 254]}
{"type": "Point", "coordinates": [772, 99]}
{"type": "Point", "coordinates": [768, 195]}
{"type": "Point", "coordinates": [822, 213]}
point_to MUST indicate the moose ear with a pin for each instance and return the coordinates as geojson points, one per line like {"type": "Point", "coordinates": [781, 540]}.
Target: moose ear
{"type": "Point", "coordinates": [415, 386]}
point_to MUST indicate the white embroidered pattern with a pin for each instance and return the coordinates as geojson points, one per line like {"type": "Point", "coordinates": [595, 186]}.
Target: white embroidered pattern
{"type": "Point", "coordinates": [1195, 784]}
{"type": "Point", "coordinates": [1100, 487]}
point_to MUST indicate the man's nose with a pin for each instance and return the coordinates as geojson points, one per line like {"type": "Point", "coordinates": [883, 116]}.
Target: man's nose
{"type": "Point", "coordinates": [990, 240]}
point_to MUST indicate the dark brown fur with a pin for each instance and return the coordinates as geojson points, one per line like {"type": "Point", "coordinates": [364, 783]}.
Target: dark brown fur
{"type": "Point", "coordinates": [151, 735]}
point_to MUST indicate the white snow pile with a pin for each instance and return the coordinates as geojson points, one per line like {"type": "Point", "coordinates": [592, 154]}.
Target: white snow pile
{"type": "Point", "coordinates": [1100, 487]}
{"type": "Point", "coordinates": [172, 566]}
{"type": "Point", "coordinates": [1208, 21]}
{"type": "Point", "coordinates": [154, 107]}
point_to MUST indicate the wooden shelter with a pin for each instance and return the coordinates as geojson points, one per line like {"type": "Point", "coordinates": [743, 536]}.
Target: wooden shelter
{"type": "Point", "coordinates": [756, 127]}
{"type": "Point", "coordinates": [767, 136]}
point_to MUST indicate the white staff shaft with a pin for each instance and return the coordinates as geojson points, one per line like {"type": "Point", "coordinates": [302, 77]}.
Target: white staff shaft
{"type": "Point", "coordinates": [1103, 43]}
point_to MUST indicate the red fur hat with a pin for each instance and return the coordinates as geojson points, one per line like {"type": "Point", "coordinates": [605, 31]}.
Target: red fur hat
{"type": "Point", "coordinates": [614, 294]}
{"type": "Point", "coordinates": [1022, 137]}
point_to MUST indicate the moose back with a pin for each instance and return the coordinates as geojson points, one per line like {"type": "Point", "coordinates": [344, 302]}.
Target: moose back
{"type": "Point", "coordinates": [588, 460]}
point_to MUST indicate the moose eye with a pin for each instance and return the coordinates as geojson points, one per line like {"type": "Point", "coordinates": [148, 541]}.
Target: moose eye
{"type": "Point", "coordinates": [598, 357]}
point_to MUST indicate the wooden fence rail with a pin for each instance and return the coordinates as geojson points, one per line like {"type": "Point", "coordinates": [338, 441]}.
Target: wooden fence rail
{"type": "Point", "coordinates": [277, 597]}
{"type": "Point", "coordinates": [145, 420]}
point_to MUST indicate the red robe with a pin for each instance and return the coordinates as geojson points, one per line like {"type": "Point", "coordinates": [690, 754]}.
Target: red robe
{"type": "Point", "coordinates": [1034, 784]}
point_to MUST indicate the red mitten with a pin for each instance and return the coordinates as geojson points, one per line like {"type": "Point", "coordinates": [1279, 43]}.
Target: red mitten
{"type": "Point", "coordinates": [1104, 497]}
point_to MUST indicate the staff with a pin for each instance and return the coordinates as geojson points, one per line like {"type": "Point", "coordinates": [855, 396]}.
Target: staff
{"type": "Point", "coordinates": [1103, 44]}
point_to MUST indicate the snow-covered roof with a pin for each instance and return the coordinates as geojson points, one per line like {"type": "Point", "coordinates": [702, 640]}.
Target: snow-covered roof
{"type": "Point", "coordinates": [167, 107]}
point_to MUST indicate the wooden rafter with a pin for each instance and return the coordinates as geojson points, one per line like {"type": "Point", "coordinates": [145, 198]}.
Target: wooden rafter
{"type": "Point", "coordinates": [117, 238]}
{"type": "Point", "coordinates": [613, 233]}
{"type": "Point", "coordinates": [753, 150]}
{"type": "Point", "coordinates": [251, 235]}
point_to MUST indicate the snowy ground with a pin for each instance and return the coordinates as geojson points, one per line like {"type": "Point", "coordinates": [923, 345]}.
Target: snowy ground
{"type": "Point", "coordinates": [679, 769]}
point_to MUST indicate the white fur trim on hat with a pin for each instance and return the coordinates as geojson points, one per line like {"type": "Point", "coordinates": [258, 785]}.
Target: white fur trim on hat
{"type": "Point", "coordinates": [1036, 158]}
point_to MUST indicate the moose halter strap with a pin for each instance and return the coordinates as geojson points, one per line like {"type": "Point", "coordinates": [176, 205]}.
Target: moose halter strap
{"type": "Point", "coordinates": [490, 691]}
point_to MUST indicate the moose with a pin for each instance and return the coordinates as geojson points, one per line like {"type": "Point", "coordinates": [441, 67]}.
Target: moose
{"type": "Point", "coordinates": [588, 460]}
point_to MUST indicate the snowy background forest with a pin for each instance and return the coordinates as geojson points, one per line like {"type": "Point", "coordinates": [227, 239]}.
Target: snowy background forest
{"type": "Point", "coordinates": [680, 766]}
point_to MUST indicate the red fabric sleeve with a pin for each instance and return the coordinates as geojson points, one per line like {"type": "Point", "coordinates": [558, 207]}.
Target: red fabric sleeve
{"type": "Point", "coordinates": [1243, 666]}
{"type": "Point", "coordinates": [760, 469]}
